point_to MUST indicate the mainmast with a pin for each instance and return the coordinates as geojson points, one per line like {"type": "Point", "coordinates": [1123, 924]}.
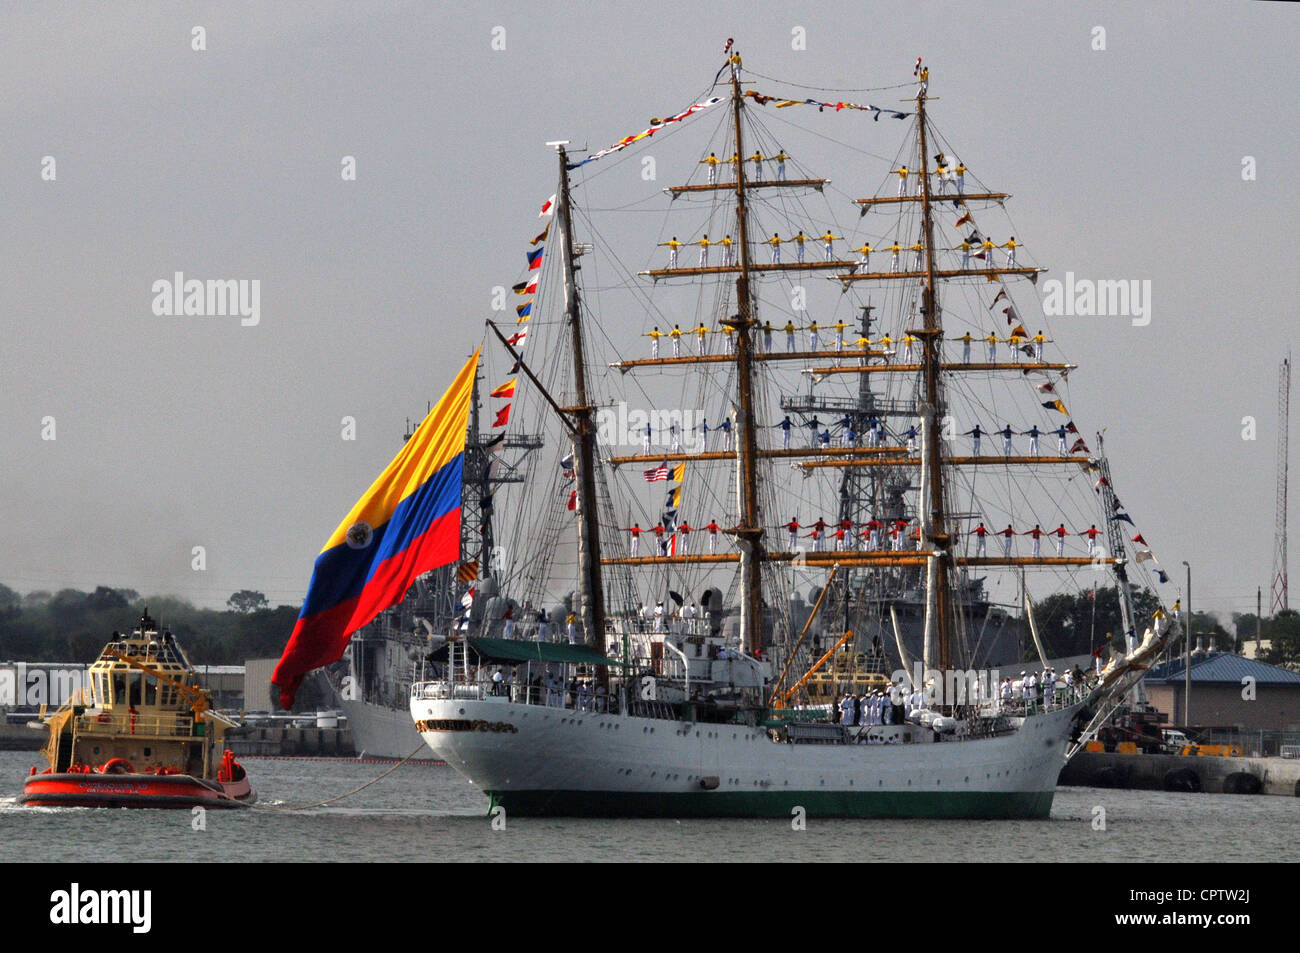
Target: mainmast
{"type": "Point", "coordinates": [591, 593]}
{"type": "Point", "coordinates": [749, 531]}
{"type": "Point", "coordinates": [934, 522]}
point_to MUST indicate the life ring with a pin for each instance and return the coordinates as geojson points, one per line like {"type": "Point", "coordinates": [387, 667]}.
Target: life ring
{"type": "Point", "coordinates": [116, 766]}
{"type": "Point", "coordinates": [103, 717]}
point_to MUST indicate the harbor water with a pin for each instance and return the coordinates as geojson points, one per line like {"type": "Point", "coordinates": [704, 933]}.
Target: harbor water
{"type": "Point", "coordinates": [425, 812]}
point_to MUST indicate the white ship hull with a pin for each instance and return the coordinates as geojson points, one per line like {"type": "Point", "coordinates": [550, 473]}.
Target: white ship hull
{"type": "Point", "coordinates": [381, 732]}
{"type": "Point", "coordinates": [534, 760]}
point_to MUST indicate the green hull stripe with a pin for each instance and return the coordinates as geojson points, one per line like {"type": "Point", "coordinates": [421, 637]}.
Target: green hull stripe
{"type": "Point", "coordinates": [983, 805]}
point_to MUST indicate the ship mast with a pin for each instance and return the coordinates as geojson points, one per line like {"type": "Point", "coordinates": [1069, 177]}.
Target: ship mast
{"type": "Point", "coordinates": [749, 532]}
{"type": "Point", "coordinates": [939, 590]}
{"type": "Point", "coordinates": [591, 593]}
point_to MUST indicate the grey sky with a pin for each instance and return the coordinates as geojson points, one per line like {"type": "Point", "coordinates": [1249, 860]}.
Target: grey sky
{"type": "Point", "coordinates": [175, 432]}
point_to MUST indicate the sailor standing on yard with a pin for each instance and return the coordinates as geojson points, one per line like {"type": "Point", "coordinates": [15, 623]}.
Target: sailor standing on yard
{"type": "Point", "coordinates": [702, 338]}
{"type": "Point", "coordinates": [812, 336]}
{"type": "Point", "coordinates": [684, 531]}
{"type": "Point", "coordinates": [1039, 340]}
{"type": "Point", "coordinates": [713, 528]}
{"type": "Point", "coordinates": [965, 347]}
{"type": "Point", "coordinates": [865, 251]}
{"type": "Point", "coordinates": [704, 244]}
{"type": "Point", "coordinates": [1032, 433]}
{"type": "Point", "coordinates": [726, 251]}
{"type": "Point", "coordinates": [786, 426]}
{"type": "Point", "coordinates": [799, 242]}
{"type": "Point", "coordinates": [992, 342]}
{"type": "Point", "coordinates": [840, 327]}
{"type": "Point", "coordinates": [1060, 533]}
{"type": "Point", "coordinates": [1037, 534]}
{"type": "Point", "coordinates": [780, 158]}
{"type": "Point", "coordinates": [712, 162]}
{"type": "Point", "coordinates": [981, 544]}
{"type": "Point", "coordinates": [1007, 535]}
{"type": "Point", "coordinates": [1011, 247]}
{"type": "Point", "coordinates": [775, 241]}
{"type": "Point", "coordinates": [988, 245]}
{"type": "Point", "coordinates": [902, 180]}
{"type": "Point", "coordinates": [975, 433]}
{"type": "Point", "coordinates": [789, 330]}
{"type": "Point", "coordinates": [654, 336]}
{"type": "Point", "coordinates": [894, 249]}
{"type": "Point", "coordinates": [636, 537]}
{"type": "Point", "coordinates": [1007, 434]}
{"type": "Point", "coordinates": [676, 335]}
{"type": "Point", "coordinates": [793, 528]}
{"type": "Point", "coordinates": [672, 245]}
{"type": "Point", "coordinates": [1091, 532]}
{"type": "Point", "coordinates": [827, 240]}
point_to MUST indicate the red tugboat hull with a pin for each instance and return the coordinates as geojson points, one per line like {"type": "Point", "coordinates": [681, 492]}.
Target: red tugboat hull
{"type": "Point", "coordinates": [133, 790]}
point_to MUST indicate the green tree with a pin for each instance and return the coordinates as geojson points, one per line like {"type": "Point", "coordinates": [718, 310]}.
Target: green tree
{"type": "Point", "coordinates": [1284, 632]}
{"type": "Point", "coordinates": [246, 600]}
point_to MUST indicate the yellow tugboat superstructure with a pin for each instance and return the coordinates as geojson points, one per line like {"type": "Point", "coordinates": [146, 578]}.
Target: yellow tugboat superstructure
{"type": "Point", "coordinates": [141, 734]}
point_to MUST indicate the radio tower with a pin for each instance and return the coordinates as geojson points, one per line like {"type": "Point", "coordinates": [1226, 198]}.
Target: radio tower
{"type": "Point", "coordinates": [1279, 600]}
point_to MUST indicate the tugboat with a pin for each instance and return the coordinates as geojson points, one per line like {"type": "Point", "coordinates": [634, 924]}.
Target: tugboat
{"type": "Point", "coordinates": [141, 734]}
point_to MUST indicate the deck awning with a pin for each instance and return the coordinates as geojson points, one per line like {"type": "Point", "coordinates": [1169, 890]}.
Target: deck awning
{"type": "Point", "coordinates": [513, 651]}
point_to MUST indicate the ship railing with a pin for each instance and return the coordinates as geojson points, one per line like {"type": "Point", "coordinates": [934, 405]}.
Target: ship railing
{"type": "Point", "coordinates": [520, 693]}
{"type": "Point", "coordinates": [170, 726]}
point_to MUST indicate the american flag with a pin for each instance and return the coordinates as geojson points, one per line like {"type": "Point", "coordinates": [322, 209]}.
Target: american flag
{"type": "Point", "coordinates": [658, 473]}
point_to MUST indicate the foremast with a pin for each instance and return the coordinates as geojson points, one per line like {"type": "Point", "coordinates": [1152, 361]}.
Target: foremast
{"type": "Point", "coordinates": [591, 592]}
{"type": "Point", "coordinates": [749, 531]}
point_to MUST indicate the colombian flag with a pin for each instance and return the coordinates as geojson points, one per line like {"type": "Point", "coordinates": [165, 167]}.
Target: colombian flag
{"type": "Point", "coordinates": [406, 524]}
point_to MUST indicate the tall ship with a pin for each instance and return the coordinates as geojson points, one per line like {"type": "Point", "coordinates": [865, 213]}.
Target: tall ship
{"type": "Point", "coordinates": [142, 734]}
{"type": "Point", "coordinates": [763, 568]}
